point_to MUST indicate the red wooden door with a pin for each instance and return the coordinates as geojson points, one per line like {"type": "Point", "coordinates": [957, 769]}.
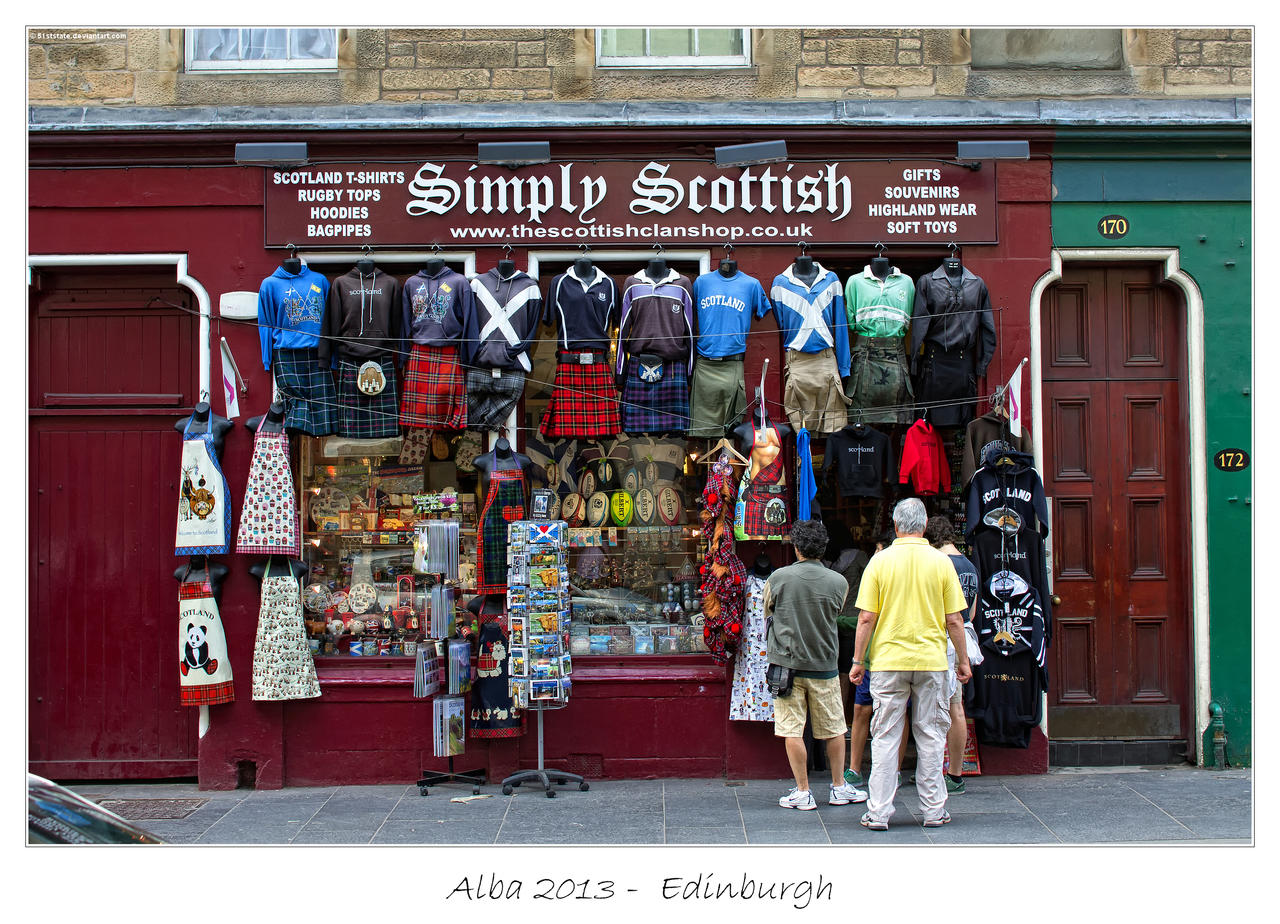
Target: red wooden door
{"type": "Point", "coordinates": [108, 378]}
{"type": "Point", "coordinates": [1115, 468]}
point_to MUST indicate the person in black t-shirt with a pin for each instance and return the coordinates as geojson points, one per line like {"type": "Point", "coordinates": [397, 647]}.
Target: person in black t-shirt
{"type": "Point", "coordinates": [942, 537]}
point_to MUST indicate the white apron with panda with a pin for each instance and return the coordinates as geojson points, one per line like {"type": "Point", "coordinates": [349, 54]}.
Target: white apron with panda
{"type": "Point", "coordinates": [203, 665]}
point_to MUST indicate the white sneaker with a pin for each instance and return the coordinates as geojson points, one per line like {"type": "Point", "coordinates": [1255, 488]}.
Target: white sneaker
{"type": "Point", "coordinates": [800, 799]}
{"type": "Point", "coordinates": [845, 793]}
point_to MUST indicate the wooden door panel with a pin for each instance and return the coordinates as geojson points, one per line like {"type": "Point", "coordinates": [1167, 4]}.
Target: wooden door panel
{"type": "Point", "coordinates": [1115, 476]}
{"type": "Point", "coordinates": [108, 377]}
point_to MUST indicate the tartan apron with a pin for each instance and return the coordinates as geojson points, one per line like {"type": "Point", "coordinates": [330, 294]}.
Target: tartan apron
{"type": "Point", "coordinates": [282, 663]}
{"type": "Point", "coordinates": [493, 715]}
{"type": "Point", "coordinates": [204, 668]}
{"type": "Point", "coordinates": [203, 528]}
{"type": "Point", "coordinates": [503, 504]}
{"type": "Point", "coordinates": [269, 514]}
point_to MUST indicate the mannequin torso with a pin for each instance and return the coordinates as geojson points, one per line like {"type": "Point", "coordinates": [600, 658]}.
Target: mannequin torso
{"type": "Point", "coordinates": [272, 421]}
{"type": "Point", "coordinates": [201, 569]}
{"type": "Point", "coordinates": [203, 419]}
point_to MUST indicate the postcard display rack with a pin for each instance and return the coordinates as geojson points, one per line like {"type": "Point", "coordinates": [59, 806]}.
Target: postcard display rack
{"type": "Point", "coordinates": [443, 659]}
{"type": "Point", "coordinates": [539, 663]}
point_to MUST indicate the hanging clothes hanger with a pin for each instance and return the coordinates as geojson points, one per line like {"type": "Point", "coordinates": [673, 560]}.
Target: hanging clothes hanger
{"type": "Point", "coordinates": [657, 269]}
{"type": "Point", "coordinates": [507, 266]}
{"type": "Point", "coordinates": [712, 455]}
{"type": "Point", "coordinates": [365, 264]}
{"type": "Point", "coordinates": [436, 263]}
{"type": "Point", "coordinates": [880, 263]}
{"type": "Point", "coordinates": [728, 266]}
{"type": "Point", "coordinates": [583, 267]}
{"type": "Point", "coordinates": [292, 263]}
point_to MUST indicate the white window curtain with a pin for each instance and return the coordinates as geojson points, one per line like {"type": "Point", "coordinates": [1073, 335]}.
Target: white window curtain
{"type": "Point", "coordinates": [297, 47]}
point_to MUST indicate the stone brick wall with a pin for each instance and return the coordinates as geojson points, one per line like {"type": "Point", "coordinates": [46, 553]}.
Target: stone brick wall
{"type": "Point", "coordinates": [144, 67]}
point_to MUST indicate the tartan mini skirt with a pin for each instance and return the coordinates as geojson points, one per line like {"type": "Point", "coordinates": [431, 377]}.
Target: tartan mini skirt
{"type": "Point", "coordinates": [434, 390]}
{"type": "Point", "coordinates": [656, 407]}
{"type": "Point", "coordinates": [362, 416]}
{"type": "Point", "coordinates": [310, 399]}
{"type": "Point", "coordinates": [584, 402]}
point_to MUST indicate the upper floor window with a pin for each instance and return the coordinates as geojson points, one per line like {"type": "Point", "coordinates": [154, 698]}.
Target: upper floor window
{"type": "Point", "coordinates": [261, 49]}
{"type": "Point", "coordinates": [673, 47]}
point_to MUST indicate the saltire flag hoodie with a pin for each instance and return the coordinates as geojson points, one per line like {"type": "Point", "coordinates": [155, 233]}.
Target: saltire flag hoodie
{"type": "Point", "coordinates": [290, 311]}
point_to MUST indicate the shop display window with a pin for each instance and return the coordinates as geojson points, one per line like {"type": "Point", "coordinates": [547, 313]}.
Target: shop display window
{"type": "Point", "coordinates": [633, 572]}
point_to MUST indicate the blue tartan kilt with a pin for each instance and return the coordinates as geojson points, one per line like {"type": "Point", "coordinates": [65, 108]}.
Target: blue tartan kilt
{"type": "Point", "coordinates": [364, 416]}
{"type": "Point", "coordinates": [657, 407]}
{"type": "Point", "coordinates": [310, 399]}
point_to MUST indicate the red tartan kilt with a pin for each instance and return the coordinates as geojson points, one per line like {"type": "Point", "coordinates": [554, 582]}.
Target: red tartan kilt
{"type": "Point", "coordinates": [584, 402]}
{"type": "Point", "coordinates": [434, 389]}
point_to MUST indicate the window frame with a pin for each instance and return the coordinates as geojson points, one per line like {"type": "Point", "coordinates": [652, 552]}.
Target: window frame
{"type": "Point", "coordinates": [199, 66]}
{"type": "Point", "coordinates": [675, 61]}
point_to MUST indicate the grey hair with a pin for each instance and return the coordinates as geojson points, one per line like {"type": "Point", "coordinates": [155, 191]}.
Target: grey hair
{"type": "Point", "coordinates": [909, 517]}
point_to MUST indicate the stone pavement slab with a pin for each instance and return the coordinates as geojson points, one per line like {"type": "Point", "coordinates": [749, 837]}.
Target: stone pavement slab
{"type": "Point", "coordinates": [1166, 805]}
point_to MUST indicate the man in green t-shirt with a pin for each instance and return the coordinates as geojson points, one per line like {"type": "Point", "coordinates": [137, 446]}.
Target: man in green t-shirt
{"type": "Point", "coordinates": [909, 602]}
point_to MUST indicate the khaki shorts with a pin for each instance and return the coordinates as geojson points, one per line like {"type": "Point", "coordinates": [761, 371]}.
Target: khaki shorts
{"type": "Point", "coordinates": [813, 395]}
{"type": "Point", "coordinates": [819, 700]}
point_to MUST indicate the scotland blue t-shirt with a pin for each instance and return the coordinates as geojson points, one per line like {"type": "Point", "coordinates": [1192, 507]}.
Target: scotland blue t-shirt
{"type": "Point", "coordinates": [724, 306]}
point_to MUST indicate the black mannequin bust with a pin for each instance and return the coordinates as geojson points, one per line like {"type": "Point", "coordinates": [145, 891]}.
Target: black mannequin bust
{"type": "Point", "coordinates": [728, 268]}
{"type": "Point", "coordinates": [880, 268]}
{"type": "Point", "coordinates": [200, 568]}
{"type": "Point", "coordinates": [953, 267]}
{"type": "Point", "coordinates": [291, 265]}
{"type": "Point", "coordinates": [202, 417]}
{"type": "Point", "coordinates": [506, 268]}
{"type": "Point", "coordinates": [502, 458]}
{"type": "Point", "coordinates": [279, 565]}
{"type": "Point", "coordinates": [433, 267]}
{"type": "Point", "coordinates": [657, 269]}
{"type": "Point", "coordinates": [365, 265]}
{"type": "Point", "coordinates": [805, 269]}
{"type": "Point", "coordinates": [272, 421]}
{"type": "Point", "coordinates": [763, 566]}
{"type": "Point", "coordinates": [584, 269]}
{"type": "Point", "coordinates": [488, 605]}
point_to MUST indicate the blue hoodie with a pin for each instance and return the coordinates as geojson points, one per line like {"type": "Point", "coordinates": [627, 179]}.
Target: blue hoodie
{"type": "Point", "coordinates": [290, 310]}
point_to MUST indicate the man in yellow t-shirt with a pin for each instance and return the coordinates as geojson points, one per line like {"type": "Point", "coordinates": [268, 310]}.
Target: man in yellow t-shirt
{"type": "Point", "coordinates": [909, 602]}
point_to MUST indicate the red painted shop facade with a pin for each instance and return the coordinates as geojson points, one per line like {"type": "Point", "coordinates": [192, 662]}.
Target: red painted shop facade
{"type": "Point", "coordinates": [132, 234]}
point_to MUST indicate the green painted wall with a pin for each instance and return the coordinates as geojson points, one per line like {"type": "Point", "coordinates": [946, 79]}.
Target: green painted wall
{"type": "Point", "coordinates": [1195, 198]}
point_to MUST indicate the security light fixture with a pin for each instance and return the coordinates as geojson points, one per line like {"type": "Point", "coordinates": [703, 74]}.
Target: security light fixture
{"type": "Point", "coordinates": [757, 152]}
{"type": "Point", "coordinates": [993, 150]}
{"type": "Point", "coordinates": [514, 153]}
{"type": "Point", "coordinates": [272, 153]}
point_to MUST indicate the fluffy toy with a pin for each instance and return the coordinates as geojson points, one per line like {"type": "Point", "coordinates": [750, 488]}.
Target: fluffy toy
{"type": "Point", "coordinates": [723, 574]}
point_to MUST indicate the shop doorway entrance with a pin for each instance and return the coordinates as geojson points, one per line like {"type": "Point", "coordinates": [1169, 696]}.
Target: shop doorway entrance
{"type": "Point", "coordinates": [1115, 465]}
{"type": "Point", "coordinates": [110, 372]}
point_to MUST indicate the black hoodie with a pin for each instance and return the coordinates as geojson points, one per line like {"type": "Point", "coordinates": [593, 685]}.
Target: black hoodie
{"type": "Point", "coordinates": [362, 318]}
{"type": "Point", "coordinates": [1006, 495]}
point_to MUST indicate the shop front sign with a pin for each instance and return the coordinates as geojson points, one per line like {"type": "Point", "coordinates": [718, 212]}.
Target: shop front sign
{"type": "Point", "coordinates": [670, 202]}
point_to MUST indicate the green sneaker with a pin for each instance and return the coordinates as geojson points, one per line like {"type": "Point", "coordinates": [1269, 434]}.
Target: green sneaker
{"type": "Point", "coordinates": [954, 786]}
{"type": "Point", "coordinates": [853, 778]}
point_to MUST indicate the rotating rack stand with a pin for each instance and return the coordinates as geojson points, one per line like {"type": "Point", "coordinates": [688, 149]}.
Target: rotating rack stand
{"type": "Point", "coordinates": [475, 777]}
{"type": "Point", "coordinates": [543, 776]}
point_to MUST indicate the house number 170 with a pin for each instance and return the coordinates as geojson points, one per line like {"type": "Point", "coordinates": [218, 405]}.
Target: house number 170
{"type": "Point", "coordinates": [1113, 226]}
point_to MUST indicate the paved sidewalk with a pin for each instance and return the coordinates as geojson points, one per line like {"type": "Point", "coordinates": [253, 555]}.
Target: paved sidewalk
{"type": "Point", "coordinates": [1067, 806]}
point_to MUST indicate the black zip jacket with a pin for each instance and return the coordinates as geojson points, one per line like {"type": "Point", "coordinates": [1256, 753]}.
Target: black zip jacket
{"type": "Point", "coordinates": [953, 317]}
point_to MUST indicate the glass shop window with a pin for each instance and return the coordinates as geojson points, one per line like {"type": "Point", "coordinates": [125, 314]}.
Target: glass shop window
{"type": "Point", "coordinates": [633, 565]}
{"type": "Point", "coordinates": [361, 502]}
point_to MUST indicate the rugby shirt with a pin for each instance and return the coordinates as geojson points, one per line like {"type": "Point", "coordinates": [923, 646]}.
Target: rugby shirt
{"type": "Point", "coordinates": [879, 309]}
{"type": "Point", "coordinates": [812, 318]}
{"type": "Point", "coordinates": [582, 311]}
{"type": "Point", "coordinates": [657, 318]}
